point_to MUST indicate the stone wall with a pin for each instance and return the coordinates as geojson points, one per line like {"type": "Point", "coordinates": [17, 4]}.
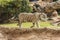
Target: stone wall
{"type": "Point", "coordinates": [41, 0]}
{"type": "Point", "coordinates": [48, 0]}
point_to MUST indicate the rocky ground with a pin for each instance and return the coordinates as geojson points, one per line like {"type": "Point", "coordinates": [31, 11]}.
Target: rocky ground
{"type": "Point", "coordinates": [29, 34]}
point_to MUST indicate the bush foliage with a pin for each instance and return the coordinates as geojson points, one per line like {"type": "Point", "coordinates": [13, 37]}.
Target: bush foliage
{"type": "Point", "coordinates": [11, 8]}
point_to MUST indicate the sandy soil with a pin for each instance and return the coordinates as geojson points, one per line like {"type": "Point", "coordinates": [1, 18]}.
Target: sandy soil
{"type": "Point", "coordinates": [29, 34]}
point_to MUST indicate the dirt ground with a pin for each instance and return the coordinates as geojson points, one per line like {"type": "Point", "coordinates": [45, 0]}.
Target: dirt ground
{"type": "Point", "coordinates": [29, 34]}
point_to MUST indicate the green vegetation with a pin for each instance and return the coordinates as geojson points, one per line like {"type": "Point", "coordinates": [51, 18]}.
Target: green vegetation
{"type": "Point", "coordinates": [28, 24]}
{"type": "Point", "coordinates": [10, 8]}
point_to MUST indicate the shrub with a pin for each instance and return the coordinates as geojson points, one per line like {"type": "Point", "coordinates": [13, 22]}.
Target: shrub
{"type": "Point", "coordinates": [13, 8]}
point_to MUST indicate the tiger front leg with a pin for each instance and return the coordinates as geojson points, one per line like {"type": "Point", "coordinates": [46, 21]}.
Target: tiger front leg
{"type": "Point", "coordinates": [19, 23]}
{"type": "Point", "coordinates": [37, 24]}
